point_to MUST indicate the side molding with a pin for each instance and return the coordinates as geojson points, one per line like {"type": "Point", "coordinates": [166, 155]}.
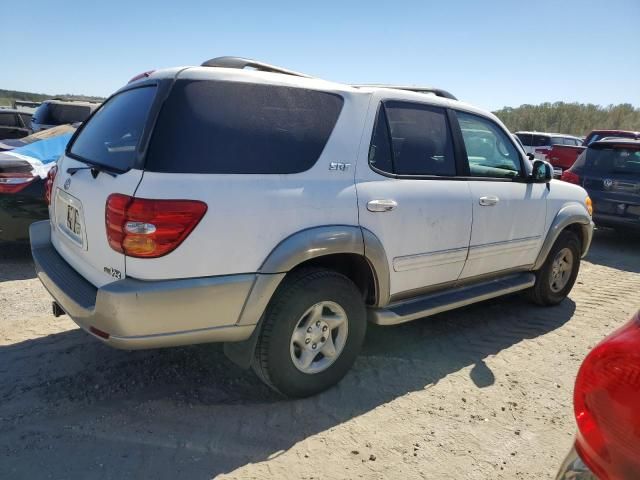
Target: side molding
{"type": "Point", "coordinates": [568, 215]}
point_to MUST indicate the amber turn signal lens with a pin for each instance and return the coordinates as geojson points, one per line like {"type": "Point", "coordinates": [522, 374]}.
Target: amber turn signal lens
{"type": "Point", "coordinates": [589, 205]}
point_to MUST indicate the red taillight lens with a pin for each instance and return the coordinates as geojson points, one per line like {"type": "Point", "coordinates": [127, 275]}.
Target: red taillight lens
{"type": "Point", "coordinates": [569, 176]}
{"type": "Point", "coordinates": [607, 405]}
{"type": "Point", "coordinates": [15, 182]}
{"type": "Point", "coordinates": [140, 76]}
{"type": "Point", "coordinates": [48, 183]}
{"type": "Point", "coordinates": [144, 228]}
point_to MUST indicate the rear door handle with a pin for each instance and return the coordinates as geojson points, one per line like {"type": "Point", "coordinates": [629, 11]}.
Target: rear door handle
{"type": "Point", "coordinates": [381, 205]}
{"type": "Point", "coordinates": [489, 200]}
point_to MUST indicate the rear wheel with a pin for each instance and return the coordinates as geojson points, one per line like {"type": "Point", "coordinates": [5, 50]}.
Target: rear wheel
{"type": "Point", "coordinates": [312, 333]}
{"type": "Point", "coordinates": [557, 276]}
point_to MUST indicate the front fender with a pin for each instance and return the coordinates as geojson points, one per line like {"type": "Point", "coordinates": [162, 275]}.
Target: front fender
{"type": "Point", "coordinates": [569, 214]}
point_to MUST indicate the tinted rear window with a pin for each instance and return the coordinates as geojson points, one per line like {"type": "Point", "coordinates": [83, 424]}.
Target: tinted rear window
{"type": "Point", "coordinates": [525, 138]}
{"type": "Point", "coordinates": [614, 160]}
{"type": "Point", "coordinates": [58, 114]}
{"type": "Point", "coordinates": [230, 127]}
{"type": "Point", "coordinates": [540, 141]}
{"type": "Point", "coordinates": [112, 135]}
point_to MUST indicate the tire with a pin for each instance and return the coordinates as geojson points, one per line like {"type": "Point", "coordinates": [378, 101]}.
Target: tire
{"type": "Point", "coordinates": [545, 292]}
{"type": "Point", "coordinates": [305, 298]}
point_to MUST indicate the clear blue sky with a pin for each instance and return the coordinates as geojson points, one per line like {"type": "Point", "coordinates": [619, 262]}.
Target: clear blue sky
{"type": "Point", "coordinates": [490, 53]}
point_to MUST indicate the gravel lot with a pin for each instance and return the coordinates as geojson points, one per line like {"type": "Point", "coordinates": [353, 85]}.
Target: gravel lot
{"type": "Point", "coordinates": [479, 393]}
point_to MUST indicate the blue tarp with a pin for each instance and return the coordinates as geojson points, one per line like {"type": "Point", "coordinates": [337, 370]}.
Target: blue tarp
{"type": "Point", "coordinates": [47, 150]}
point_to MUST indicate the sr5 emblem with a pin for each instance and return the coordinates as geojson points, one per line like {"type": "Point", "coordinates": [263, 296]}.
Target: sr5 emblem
{"type": "Point", "coordinates": [339, 166]}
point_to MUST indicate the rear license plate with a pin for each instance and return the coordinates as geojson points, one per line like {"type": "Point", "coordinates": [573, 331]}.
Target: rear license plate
{"type": "Point", "coordinates": [69, 217]}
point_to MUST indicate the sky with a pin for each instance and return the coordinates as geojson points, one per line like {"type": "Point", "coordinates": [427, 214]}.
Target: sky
{"type": "Point", "coordinates": [489, 53]}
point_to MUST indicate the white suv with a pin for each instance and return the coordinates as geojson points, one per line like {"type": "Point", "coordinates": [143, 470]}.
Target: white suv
{"type": "Point", "coordinates": [278, 213]}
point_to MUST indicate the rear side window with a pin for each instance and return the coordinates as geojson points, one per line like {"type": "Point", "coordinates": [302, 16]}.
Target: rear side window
{"type": "Point", "coordinates": [26, 119]}
{"type": "Point", "coordinates": [241, 128]}
{"type": "Point", "coordinates": [8, 119]}
{"type": "Point", "coordinates": [112, 135]}
{"type": "Point", "coordinates": [420, 143]}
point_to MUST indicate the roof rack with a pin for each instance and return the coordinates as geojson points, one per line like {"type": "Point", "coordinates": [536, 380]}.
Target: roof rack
{"type": "Point", "coordinates": [239, 62]}
{"type": "Point", "coordinates": [435, 91]}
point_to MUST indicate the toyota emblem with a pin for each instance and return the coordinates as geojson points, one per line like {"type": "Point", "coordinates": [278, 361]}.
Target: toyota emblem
{"type": "Point", "coordinates": [67, 183]}
{"type": "Point", "coordinates": [607, 183]}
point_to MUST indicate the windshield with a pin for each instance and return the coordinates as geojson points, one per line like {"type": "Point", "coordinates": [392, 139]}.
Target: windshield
{"type": "Point", "coordinates": [112, 135]}
{"type": "Point", "coordinates": [614, 160]}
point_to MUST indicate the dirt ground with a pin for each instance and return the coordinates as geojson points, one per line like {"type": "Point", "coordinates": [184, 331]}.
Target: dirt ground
{"type": "Point", "coordinates": [479, 393]}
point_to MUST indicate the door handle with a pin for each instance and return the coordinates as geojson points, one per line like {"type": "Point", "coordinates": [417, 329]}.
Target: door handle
{"type": "Point", "coordinates": [489, 201]}
{"type": "Point", "coordinates": [381, 205]}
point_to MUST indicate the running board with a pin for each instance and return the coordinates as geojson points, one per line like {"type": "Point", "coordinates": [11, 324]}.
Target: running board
{"type": "Point", "coordinates": [433, 303]}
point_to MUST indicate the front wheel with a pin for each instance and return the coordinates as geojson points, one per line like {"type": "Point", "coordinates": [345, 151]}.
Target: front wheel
{"type": "Point", "coordinates": [556, 277]}
{"type": "Point", "coordinates": [312, 332]}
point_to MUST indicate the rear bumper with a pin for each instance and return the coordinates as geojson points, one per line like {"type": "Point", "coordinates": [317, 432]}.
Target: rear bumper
{"type": "Point", "coordinates": [573, 468]}
{"type": "Point", "coordinates": [605, 220]}
{"type": "Point", "coordinates": [149, 314]}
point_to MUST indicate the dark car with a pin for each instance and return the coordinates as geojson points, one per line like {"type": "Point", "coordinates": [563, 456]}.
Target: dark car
{"type": "Point", "coordinates": [609, 170]}
{"type": "Point", "coordinates": [14, 123]}
{"type": "Point", "coordinates": [600, 134]}
{"type": "Point", "coordinates": [23, 176]}
{"type": "Point", "coordinates": [58, 112]}
{"type": "Point", "coordinates": [606, 401]}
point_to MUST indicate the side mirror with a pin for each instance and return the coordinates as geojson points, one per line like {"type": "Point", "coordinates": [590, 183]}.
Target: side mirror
{"type": "Point", "coordinates": [542, 171]}
{"type": "Point", "coordinates": [531, 156]}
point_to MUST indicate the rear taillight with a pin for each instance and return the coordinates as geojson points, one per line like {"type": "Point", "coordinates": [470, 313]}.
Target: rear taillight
{"type": "Point", "coordinates": [48, 183]}
{"type": "Point", "coordinates": [607, 405]}
{"type": "Point", "coordinates": [140, 76]}
{"type": "Point", "coordinates": [15, 182]}
{"type": "Point", "coordinates": [569, 176]}
{"type": "Point", "coordinates": [145, 228]}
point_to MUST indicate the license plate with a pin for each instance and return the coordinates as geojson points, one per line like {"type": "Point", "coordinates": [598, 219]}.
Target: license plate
{"type": "Point", "coordinates": [69, 217]}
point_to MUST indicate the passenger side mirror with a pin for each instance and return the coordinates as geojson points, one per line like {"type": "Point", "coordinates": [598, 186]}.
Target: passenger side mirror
{"type": "Point", "coordinates": [542, 171]}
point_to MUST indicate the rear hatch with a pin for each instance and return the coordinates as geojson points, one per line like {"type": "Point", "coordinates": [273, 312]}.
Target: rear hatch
{"type": "Point", "coordinates": [104, 158]}
{"type": "Point", "coordinates": [612, 178]}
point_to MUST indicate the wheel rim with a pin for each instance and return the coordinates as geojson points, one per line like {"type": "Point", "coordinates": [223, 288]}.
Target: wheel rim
{"type": "Point", "coordinates": [319, 337]}
{"type": "Point", "coordinates": [561, 270]}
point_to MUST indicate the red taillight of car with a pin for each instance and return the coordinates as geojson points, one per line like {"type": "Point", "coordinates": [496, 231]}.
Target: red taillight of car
{"type": "Point", "coordinates": [569, 176]}
{"type": "Point", "coordinates": [15, 182]}
{"type": "Point", "coordinates": [48, 183]}
{"type": "Point", "coordinates": [607, 405]}
{"type": "Point", "coordinates": [145, 228]}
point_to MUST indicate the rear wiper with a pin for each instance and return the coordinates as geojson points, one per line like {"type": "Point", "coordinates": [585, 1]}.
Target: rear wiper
{"type": "Point", "coordinates": [95, 170]}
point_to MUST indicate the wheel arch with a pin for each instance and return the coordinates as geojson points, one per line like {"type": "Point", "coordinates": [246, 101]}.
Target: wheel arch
{"type": "Point", "coordinates": [573, 217]}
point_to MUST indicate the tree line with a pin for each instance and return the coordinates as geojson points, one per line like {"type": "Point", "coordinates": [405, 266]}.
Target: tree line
{"type": "Point", "coordinates": [8, 96]}
{"type": "Point", "coordinates": [571, 118]}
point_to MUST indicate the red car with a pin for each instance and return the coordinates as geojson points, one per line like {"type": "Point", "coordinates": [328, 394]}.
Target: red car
{"type": "Point", "coordinates": [606, 403]}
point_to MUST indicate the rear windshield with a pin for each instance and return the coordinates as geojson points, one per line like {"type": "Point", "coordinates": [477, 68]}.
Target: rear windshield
{"type": "Point", "coordinates": [112, 135]}
{"type": "Point", "coordinates": [246, 128]}
{"type": "Point", "coordinates": [525, 138]}
{"type": "Point", "coordinates": [614, 160]}
{"type": "Point", "coordinates": [540, 141]}
{"type": "Point", "coordinates": [58, 114]}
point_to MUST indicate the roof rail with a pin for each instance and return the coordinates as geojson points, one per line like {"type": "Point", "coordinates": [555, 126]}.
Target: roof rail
{"type": "Point", "coordinates": [239, 62]}
{"type": "Point", "coordinates": [435, 91]}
